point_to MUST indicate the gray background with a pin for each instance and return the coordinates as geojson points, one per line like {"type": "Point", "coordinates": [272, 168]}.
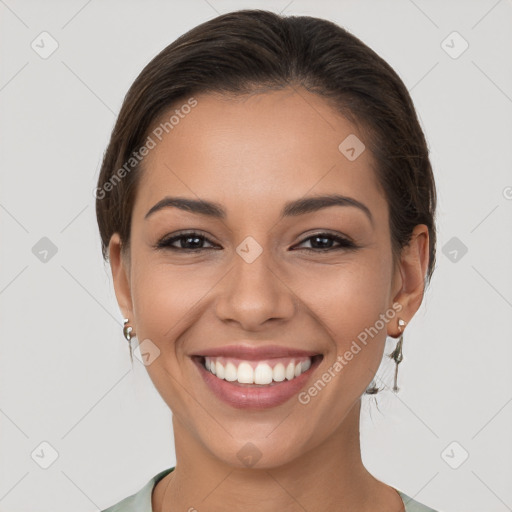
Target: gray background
{"type": "Point", "coordinates": [65, 373]}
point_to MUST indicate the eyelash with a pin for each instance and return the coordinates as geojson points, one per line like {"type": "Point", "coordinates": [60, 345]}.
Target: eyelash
{"type": "Point", "coordinates": [165, 243]}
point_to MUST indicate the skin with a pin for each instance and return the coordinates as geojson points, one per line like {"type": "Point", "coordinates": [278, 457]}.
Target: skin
{"type": "Point", "coordinates": [252, 155]}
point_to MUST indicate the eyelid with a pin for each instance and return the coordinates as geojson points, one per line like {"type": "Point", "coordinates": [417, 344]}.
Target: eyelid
{"type": "Point", "coordinates": [345, 241]}
{"type": "Point", "coordinates": [165, 242]}
{"type": "Point", "coordinates": [334, 234]}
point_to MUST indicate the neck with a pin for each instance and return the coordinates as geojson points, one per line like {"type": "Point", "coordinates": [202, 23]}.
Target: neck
{"type": "Point", "coordinates": [330, 477]}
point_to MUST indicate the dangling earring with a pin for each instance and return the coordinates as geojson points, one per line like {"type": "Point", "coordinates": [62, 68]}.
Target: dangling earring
{"type": "Point", "coordinates": [128, 334]}
{"type": "Point", "coordinates": [397, 353]}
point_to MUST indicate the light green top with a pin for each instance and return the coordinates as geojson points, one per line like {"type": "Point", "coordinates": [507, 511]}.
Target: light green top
{"type": "Point", "coordinates": [141, 501]}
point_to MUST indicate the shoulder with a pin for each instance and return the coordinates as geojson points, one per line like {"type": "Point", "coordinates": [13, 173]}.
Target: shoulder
{"type": "Point", "coordinates": [141, 500]}
{"type": "Point", "coordinates": [412, 505]}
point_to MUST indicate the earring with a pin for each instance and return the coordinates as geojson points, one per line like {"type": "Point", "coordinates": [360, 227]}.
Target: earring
{"type": "Point", "coordinates": [127, 330]}
{"type": "Point", "coordinates": [397, 353]}
{"type": "Point", "coordinates": [128, 334]}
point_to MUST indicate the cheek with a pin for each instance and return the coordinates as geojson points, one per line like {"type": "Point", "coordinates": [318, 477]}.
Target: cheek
{"type": "Point", "coordinates": [350, 298]}
{"type": "Point", "coordinates": [167, 301]}
{"type": "Point", "coordinates": [346, 297]}
{"type": "Point", "coordinates": [166, 298]}
{"type": "Point", "coordinates": [349, 303]}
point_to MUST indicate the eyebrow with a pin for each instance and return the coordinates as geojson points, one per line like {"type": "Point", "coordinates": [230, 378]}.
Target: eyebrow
{"type": "Point", "coordinates": [291, 209]}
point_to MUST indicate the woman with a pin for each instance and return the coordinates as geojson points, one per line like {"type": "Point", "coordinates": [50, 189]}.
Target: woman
{"type": "Point", "coordinates": [267, 206]}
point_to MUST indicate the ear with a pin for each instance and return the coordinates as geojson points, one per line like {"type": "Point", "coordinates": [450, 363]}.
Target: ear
{"type": "Point", "coordinates": [409, 282]}
{"type": "Point", "coordinates": [120, 267]}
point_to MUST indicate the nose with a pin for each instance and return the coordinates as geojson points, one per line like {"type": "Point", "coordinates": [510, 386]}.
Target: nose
{"type": "Point", "coordinates": [253, 294]}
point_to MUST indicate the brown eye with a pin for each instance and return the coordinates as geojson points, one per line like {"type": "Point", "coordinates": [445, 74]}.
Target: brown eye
{"type": "Point", "coordinates": [191, 241]}
{"type": "Point", "coordinates": [324, 242]}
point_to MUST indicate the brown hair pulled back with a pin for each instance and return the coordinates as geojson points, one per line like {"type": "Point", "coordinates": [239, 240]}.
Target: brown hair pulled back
{"type": "Point", "coordinates": [249, 51]}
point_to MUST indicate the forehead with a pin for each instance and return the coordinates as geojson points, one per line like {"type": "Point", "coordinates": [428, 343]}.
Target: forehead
{"type": "Point", "coordinates": [257, 150]}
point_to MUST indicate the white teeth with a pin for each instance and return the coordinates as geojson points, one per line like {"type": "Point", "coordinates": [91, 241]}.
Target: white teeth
{"type": "Point", "coordinates": [245, 373]}
{"type": "Point", "coordinates": [230, 373]}
{"type": "Point", "coordinates": [290, 371]}
{"type": "Point", "coordinates": [278, 372]}
{"type": "Point", "coordinates": [219, 370]}
{"type": "Point", "coordinates": [263, 373]}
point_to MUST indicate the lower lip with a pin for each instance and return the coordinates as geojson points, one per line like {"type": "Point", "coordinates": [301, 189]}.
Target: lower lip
{"type": "Point", "coordinates": [247, 396]}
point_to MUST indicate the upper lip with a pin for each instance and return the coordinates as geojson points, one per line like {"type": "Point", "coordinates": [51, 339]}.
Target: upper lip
{"type": "Point", "coordinates": [251, 352]}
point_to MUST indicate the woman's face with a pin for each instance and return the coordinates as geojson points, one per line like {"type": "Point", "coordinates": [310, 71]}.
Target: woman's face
{"type": "Point", "coordinates": [264, 287]}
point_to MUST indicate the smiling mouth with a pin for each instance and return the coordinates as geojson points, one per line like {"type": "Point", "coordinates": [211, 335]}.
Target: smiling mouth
{"type": "Point", "coordinates": [253, 373]}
